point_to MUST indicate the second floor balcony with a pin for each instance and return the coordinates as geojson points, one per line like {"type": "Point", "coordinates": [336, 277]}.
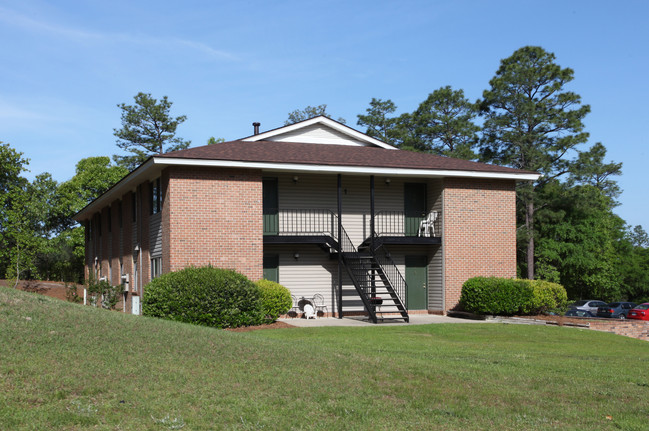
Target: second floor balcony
{"type": "Point", "coordinates": [396, 227]}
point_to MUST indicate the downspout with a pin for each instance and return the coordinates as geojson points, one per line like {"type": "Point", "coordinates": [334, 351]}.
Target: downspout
{"type": "Point", "coordinates": [340, 249]}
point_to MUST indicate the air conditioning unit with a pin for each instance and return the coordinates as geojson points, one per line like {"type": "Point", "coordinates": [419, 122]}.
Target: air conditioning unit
{"type": "Point", "coordinates": [125, 282]}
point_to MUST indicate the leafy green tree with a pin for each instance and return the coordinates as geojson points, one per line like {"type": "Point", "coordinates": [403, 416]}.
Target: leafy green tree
{"type": "Point", "coordinates": [93, 176]}
{"type": "Point", "coordinates": [577, 240]}
{"type": "Point", "coordinates": [533, 123]}
{"type": "Point", "coordinates": [590, 168]}
{"type": "Point", "coordinates": [379, 124]}
{"type": "Point", "coordinates": [632, 264]}
{"type": "Point", "coordinates": [31, 216]}
{"type": "Point", "coordinates": [214, 140]}
{"type": "Point", "coordinates": [12, 185]}
{"type": "Point", "coordinates": [309, 112]}
{"type": "Point", "coordinates": [444, 124]}
{"type": "Point", "coordinates": [147, 129]}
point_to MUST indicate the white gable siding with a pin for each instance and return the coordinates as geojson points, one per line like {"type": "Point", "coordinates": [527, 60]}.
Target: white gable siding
{"type": "Point", "coordinates": [317, 134]}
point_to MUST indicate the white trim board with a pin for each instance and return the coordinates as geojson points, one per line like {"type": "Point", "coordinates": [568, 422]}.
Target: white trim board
{"type": "Point", "coordinates": [360, 170]}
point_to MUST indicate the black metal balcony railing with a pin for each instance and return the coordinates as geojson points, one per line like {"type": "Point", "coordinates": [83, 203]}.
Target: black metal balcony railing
{"type": "Point", "coordinates": [398, 223]}
{"type": "Point", "coordinates": [323, 222]}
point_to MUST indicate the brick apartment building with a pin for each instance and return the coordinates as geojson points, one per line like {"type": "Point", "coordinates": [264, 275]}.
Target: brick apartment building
{"type": "Point", "coordinates": [317, 206]}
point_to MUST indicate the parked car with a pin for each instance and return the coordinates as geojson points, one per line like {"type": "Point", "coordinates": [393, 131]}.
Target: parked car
{"type": "Point", "coordinates": [617, 310]}
{"type": "Point", "coordinates": [588, 305]}
{"type": "Point", "coordinates": [575, 312]}
{"type": "Point", "coordinates": [639, 312]}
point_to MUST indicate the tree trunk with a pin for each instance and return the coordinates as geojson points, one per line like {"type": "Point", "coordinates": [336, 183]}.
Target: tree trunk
{"type": "Point", "coordinates": [529, 226]}
{"type": "Point", "coordinates": [17, 264]}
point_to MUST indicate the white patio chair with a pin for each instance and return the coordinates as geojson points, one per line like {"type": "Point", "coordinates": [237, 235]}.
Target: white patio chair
{"type": "Point", "coordinates": [319, 303]}
{"type": "Point", "coordinates": [428, 225]}
{"type": "Point", "coordinates": [309, 311]}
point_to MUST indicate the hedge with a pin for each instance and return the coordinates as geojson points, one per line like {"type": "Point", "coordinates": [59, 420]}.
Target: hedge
{"type": "Point", "coordinates": [275, 299]}
{"type": "Point", "coordinates": [504, 296]}
{"type": "Point", "coordinates": [205, 296]}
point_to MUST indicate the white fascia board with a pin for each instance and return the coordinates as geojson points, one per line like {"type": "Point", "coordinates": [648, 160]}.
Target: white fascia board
{"type": "Point", "coordinates": [128, 182]}
{"type": "Point", "coordinates": [321, 120]}
{"type": "Point", "coordinates": [352, 170]}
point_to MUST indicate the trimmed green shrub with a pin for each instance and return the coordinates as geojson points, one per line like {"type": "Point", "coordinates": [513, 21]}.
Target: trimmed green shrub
{"type": "Point", "coordinates": [205, 296]}
{"type": "Point", "coordinates": [546, 296]}
{"type": "Point", "coordinates": [493, 295]}
{"type": "Point", "coordinates": [102, 291]}
{"type": "Point", "coordinates": [275, 299]}
{"type": "Point", "coordinates": [505, 296]}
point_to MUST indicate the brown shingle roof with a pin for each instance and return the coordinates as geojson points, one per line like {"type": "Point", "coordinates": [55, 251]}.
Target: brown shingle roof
{"type": "Point", "coordinates": [331, 155]}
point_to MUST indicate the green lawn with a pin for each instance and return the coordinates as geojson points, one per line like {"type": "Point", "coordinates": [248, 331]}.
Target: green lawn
{"type": "Point", "coordinates": [65, 366]}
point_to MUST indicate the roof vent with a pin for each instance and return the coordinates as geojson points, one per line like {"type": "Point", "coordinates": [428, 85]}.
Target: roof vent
{"type": "Point", "coordinates": [256, 126]}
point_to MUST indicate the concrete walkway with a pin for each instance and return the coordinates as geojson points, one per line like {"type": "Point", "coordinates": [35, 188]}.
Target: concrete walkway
{"type": "Point", "coordinates": [415, 319]}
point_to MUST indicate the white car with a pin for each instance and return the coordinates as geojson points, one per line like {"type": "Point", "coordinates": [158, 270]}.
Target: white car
{"type": "Point", "coordinates": [588, 305]}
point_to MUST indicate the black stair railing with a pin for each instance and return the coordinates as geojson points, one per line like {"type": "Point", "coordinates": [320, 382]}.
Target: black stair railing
{"type": "Point", "coordinates": [391, 271]}
{"type": "Point", "coordinates": [359, 268]}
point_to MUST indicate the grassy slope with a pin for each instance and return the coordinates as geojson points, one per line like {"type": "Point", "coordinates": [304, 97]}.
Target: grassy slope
{"type": "Point", "coordinates": [65, 366]}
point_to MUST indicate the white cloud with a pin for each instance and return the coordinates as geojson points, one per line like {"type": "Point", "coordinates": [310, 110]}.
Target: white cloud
{"type": "Point", "coordinates": [16, 19]}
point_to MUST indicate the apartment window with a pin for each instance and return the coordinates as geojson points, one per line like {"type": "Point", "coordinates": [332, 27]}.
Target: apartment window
{"type": "Point", "coordinates": [99, 224]}
{"type": "Point", "coordinates": [156, 267]}
{"type": "Point", "coordinates": [110, 219]}
{"type": "Point", "coordinates": [156, 194]}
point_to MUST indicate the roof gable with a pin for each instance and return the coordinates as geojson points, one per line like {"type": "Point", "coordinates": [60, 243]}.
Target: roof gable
{"type": "Point", "coordinates": [319, 130]}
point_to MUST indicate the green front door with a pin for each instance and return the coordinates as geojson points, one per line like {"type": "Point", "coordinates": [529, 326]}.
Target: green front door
{"type": "Point", "coordinates": [270, 210]}
{"type": "Point", "coordinates": [417, 281]}
{"type": "Point", "coordinates": [414, 203]}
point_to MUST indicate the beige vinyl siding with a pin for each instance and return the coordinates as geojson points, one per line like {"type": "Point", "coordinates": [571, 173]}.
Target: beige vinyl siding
{"type": "Point", "coordinates": [312, 272]}
{"type": "Point", "coordinates": [435, 279]}
{"type": "Point", "coordinates": [317, 134]}
{"type": "Point", "coordinates": [155, 234]}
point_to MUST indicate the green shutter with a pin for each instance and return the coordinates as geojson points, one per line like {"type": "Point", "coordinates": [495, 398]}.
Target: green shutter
{"type": "Point", "coordinates": [271, 267]}
{"type": "Point", "coordinates": [270, 210]}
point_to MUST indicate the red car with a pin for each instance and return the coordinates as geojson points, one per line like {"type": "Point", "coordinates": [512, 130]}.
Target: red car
{"type": "Point", "coordinates": [640, 312]}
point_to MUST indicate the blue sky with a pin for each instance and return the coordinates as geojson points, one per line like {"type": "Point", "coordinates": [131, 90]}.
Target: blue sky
{"type": "Point", "coordinates": [67, 64]}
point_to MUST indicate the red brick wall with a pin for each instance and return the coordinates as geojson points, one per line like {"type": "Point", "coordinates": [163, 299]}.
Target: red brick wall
{"type": "Point", "coordinates": [479, 237]}
{"type": "Point", "coordinates": [214, 216]}
{"type": "Point", "coordinates": [629, 328]}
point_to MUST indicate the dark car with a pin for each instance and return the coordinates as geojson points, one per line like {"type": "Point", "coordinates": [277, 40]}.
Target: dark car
{"type": "Point", "coordinates": [617, 310]}
{"type": "Point", "coordinates": [639, 312]}
{"type": "Point", "coordinates": [575, 312]}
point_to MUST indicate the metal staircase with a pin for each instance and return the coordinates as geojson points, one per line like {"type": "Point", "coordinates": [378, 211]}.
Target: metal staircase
{"type": "Point", "coordinates": [377, 280]}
